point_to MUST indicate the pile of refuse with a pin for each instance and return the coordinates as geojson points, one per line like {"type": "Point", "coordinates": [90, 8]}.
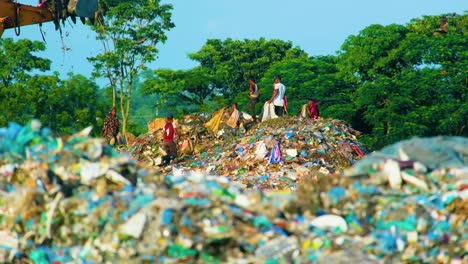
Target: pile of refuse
{"type": "Point", "coordinates": [75, 199]}
{"type": "Point", "coordinates": [324, 145]}
{"type": "Point", "coordinates": [406, 203]}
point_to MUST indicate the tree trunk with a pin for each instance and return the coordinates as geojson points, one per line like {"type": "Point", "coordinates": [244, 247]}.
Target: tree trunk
{"type": "Point", "coordinates": [125, 103]}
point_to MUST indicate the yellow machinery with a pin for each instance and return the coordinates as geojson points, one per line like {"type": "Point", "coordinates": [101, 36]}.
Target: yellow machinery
{"type": "Point", "coordinates": [14, 15]}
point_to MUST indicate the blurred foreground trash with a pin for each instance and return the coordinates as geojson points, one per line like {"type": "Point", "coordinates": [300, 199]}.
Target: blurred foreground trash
{"type": "Point", "coordinates": [76, 200]}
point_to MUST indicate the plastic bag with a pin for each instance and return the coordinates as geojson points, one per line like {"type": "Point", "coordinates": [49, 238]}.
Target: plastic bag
{"type": "Point", "coordinates": [215, 121]}
{"type": "Point", "coordinates": [233, 119]}
{"type": "Point", "coordinates": [268, 112]}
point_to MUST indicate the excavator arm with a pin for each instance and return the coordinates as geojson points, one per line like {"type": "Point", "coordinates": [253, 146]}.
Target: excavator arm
{"type": "Point", "coordinates": [14, 15]}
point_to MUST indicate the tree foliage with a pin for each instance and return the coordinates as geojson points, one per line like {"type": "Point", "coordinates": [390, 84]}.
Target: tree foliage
{"type": "Point", "coordinates": [142, 106]}
{"type": "Point", "coordinates": [129, 31]}
{"type": "Point", "coordinates": [68, 106]}
{"type": "Point", "coordinates": [231, 62]}
{"type": "Point", "coordinates": [18, 60]}
{"type": "Point", "coordinates": [180, 91]}
{"type": "Point", "coordinates": [373, 52]}
{"type": "Point", "coordinates": [308, 77]}
{"type": "Point", "coordinates": [390, 82]}
{"type": "Point", "coordinates": [65, 106]}
{"type": "Point", "coordinates": [408, 81]}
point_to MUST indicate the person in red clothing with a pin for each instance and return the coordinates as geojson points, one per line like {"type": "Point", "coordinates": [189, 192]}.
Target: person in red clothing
{"type": "Point", "coordinates": [169, 133]}
{"type": "Point", "coordinates": [310, 111]}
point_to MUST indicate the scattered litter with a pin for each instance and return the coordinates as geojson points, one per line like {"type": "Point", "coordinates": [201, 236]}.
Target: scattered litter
{"type": "Point", "coordinates": [78, 200]}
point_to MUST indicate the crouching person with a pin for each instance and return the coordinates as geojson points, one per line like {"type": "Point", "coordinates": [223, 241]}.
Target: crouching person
{"type": "Point", "coordinates": [310, 111]}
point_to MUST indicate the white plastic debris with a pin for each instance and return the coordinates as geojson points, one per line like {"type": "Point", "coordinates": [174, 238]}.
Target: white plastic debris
{"type": "Point", "coordinates": [291, 152]}
{"type": "Point", "coordinates": [391, 170]}
{"type": "Point", "coordinates": [330, 222]}
{"type": "Point", "coordinates": [261, 150]}
{"type": "Point", "coordinates": [410, 179]}
{"type": "Point", "coordinates": [134, 226]}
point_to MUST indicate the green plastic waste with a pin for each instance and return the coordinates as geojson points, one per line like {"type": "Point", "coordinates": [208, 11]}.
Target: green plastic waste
{"type": "Point", "coordinates": [178, 251]}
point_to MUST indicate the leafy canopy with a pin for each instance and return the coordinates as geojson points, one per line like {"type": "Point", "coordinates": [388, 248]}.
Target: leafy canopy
{"type": "Point", "coordinates": [130, 32]}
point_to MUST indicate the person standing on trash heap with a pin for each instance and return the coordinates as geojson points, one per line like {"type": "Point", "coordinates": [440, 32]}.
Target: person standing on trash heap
{"type": "Point", "coordinates": [279, 91]}
{"type": "Point", "coordinates": [111, 127]}
{"type": "Point", "coordinates": [312, 109]}
{"type": "Point", "coordinates": [169, 133]}
{"type": "Point", "coordinates": [254, 92]}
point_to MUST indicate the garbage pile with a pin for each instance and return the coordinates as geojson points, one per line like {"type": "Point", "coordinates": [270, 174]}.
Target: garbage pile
{"type": "Point", "coordinates": [325, 145]}
{"type": "Point", "coordinates": [406, 203]}
{"type": "Point", "coordinates": [77, 200]}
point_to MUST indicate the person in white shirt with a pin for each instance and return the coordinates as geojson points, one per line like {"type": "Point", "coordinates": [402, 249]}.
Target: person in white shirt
{"type": "Point", "coordinates": [279, 90]}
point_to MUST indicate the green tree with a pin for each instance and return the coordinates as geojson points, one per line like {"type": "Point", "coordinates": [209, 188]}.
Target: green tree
{"type": "Point", "coordinates": [372, 52]}
{"type": "Point", "coordinates": [18, 61]}
{"type": "Point", "coordinates": [330, 90]}
{"type": "Point", "coordinates": [16, 104]}
{"type": "Point", "coordinates": [231, 62]}
{"type": "Point", "coordinates": [180, 91]}
{"type": "Point", "coordinates": [407, 81]}
{"type": "Point", "coordinates": [130, 33]}
{"type": "Point", "coordinates": [17, 64]}
{"type": "Point", "coordinates": [142, 106]}
{"type": "Point", "coordinates": [308, 77]}
{"type": "Point", "coordinates": [65, 106]}
{"type": "Point", "coordinates": [82, 99]}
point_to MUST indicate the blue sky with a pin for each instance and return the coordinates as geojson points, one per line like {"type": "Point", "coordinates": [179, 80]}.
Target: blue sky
{"type": "Point", "coordinates": [318, 27]}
